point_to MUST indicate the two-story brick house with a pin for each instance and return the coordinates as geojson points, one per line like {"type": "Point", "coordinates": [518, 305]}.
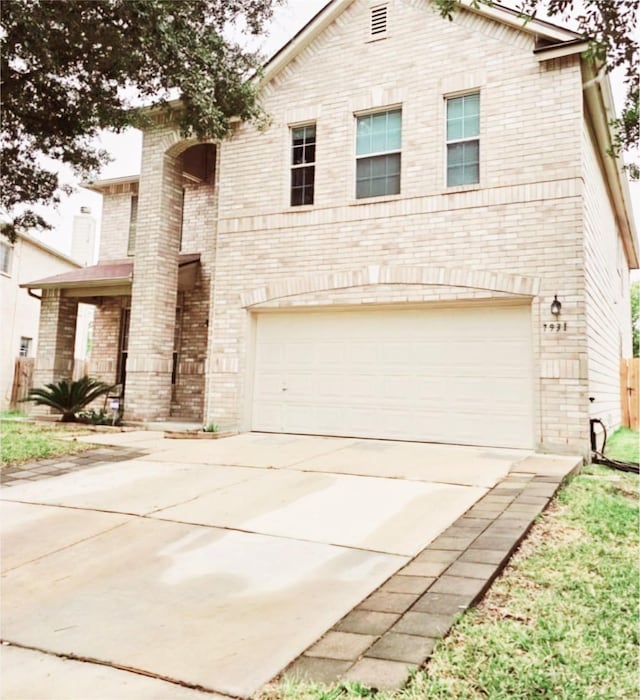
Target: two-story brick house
{"type": "Point", "coordinates": [383, 259]}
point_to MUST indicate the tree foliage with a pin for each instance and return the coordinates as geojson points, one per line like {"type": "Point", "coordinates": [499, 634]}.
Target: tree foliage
{"type": "Point", "coordinates": [611, 28]}
{"type": "Point", "coordinates": [69, 397]}
{"type": "Point", "coordinates": [70, 69]}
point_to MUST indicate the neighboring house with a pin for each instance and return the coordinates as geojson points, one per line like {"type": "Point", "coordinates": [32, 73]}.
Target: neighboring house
{"type": "Point", "coordinates": [383, 260]}
{"type": "Point", "coordinates": [19, 311]}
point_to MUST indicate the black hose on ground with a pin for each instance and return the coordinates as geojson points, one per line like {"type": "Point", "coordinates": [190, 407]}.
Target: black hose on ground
{"type": "Point", "coordinates": [598, 456]}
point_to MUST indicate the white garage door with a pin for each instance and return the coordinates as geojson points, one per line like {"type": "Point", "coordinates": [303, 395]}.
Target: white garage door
{"type": "Point", "coordinates": [454, 375]}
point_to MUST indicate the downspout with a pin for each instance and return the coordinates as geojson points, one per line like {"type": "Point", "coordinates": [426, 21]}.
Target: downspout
{"type": "Point", "coordinates": [596, 80]}
{"type": "Point", "coordinates": [598, 457]}
{"type": "Point", "coordinates": [31, 293]}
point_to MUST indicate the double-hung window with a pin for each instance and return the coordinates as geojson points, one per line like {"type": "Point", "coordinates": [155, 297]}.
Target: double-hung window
{"type": "Point", "coordinates": [133, 225]}
{"type": "Point", "coordinates": [378, 153]}
{"type": "Point", "coordinates": [303, 164]}
{"type": "Point", "coordinates": [25, 347]}
{"type": "Point", "coordinates": [463, 140]}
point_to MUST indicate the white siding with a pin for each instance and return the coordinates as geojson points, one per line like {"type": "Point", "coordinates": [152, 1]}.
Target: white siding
{"type": "Point", "coordinates": [607, 293]}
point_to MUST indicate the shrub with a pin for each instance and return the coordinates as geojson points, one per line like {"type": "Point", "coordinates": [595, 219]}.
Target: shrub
{"type": "Point", "coordinates": [100, 417]}
{"type": "Point", "coordinates": [69, 397]}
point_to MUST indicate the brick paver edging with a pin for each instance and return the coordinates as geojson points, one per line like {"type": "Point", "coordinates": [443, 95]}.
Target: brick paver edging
{"type": "Point", "coordinates": [393, 631]}
{"type": "Point", "coordinates": [54, 466]}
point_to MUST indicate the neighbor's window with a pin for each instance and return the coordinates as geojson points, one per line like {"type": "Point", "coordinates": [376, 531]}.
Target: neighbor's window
{"type": "Point", "coordinates": [25, 347]}
{"type": "Point", "coordinates": [5, 257]}
{"type": "Point", "coordinates": [378, 144]}
{"type": "Point", "coordinates": [133, 225]}
{"type": "Point", "coordinates": [303, 164]}
{"type": "Point", "coordinates": [463, 143]}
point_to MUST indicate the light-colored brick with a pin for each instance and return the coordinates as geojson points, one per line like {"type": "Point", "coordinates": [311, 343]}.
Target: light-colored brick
{"type": "Point", "coordinates": [539, 223]}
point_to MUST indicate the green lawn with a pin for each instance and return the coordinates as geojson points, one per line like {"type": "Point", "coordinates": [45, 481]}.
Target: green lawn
{"type": "Point", "coordinates": [561, 622]}
{"type": "Point", "coordinates": [23, 441]}
{"type": "Point", "coordinates": [624, 445]}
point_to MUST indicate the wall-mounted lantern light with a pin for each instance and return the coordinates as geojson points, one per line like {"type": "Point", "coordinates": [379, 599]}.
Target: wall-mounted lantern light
{"type": "Point", "coordinates": [555, 306]}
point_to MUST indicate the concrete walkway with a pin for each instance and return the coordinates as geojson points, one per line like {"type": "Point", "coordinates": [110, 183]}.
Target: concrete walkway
{"type": "Point", "coordinates": [205, 568]}
{"type": "Point", "coordinates": [394, 630]}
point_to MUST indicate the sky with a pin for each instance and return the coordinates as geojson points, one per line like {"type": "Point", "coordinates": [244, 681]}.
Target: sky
{"type": "Point", "coordinates": [126, 148]}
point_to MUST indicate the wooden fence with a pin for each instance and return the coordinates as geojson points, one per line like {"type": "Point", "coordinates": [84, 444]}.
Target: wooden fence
{"type": "Point", "coordinates": [22, 381]}
{"type": "Point", "coordinates": [630, 392]}
{"type": "Point", "coordinates": [23, 378]}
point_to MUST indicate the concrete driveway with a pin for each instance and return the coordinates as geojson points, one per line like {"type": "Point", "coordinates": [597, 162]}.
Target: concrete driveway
{"type": "Point", "coordinates": [208, 566]}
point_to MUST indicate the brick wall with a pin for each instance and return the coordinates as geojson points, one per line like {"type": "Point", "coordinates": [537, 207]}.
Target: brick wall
{"type": "Point", "coordinates": [155, 283]}
{"type": "Point", "coordinates": [198, 236]}
{"type": "Point", "coordinates": [106, 337]}
{"type": "Point", "coordinates": [519, 234]}
{"type": "Point", "coordinates": [198, 227]}
{"type": "Point", "coordinates": [116, 216]}
{"type": "Point", "coordinates": [525, 218]}
{"type": "Point", "coordinates": [162, 212]}
{"type": "Point", "coordinates": [57, 334]}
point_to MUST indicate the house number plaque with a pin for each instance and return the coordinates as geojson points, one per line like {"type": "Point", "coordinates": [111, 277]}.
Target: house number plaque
{"type": "Point", "coordinates": [554, 327]}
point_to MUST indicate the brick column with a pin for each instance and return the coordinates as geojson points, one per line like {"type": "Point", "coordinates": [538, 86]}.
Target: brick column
{"type": "Point", "coordinates": [56, 341]}
{"type": "Point", "coordinates": [155, 285]}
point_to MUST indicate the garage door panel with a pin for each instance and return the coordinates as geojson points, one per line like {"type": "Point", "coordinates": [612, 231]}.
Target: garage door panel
{"type": "Point", "coordinates": [329, 418]}
{"type": "Point", "coordinates": [362, 387]}
{"type": "Point", "coordinates": [446, 375]}
{"type": "Point", "coordinates": [333, 353]}
{"type": "Point", "coordinates": [360, 420]}
{"type": "Point", "coordinates": [329, 388]}
{"type": "Point", "coordinates": [396, 387]}
{"type": "Point", "coordinates": [297, 355]}
{"type": "Point", "coordinates": [270, 354]}
{"type": "Point", "coordinates": [268, 385]}
{"type": "Point", "coordinates": [272, 415]}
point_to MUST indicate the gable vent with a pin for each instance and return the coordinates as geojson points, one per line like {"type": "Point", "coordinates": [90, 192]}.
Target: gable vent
{"type": "Point", "coordinates": [378, 20]}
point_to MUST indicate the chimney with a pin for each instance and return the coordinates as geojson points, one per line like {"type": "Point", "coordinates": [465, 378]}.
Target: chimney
{"type": "Point", "coordinates": [83, 237]}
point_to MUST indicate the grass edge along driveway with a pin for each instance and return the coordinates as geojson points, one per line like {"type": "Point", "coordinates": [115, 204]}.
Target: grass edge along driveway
{"type": "Point", "coordinates": [561, 622]}
{"type": "Point", "coordinates": [23, 441]}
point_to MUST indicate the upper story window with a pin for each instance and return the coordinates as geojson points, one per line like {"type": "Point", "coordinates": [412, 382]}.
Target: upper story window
{"type": "Point", "coordinates": [6, 253]}
{"type": "Point", "coordinates": [303, 164]}
{"type": "Point", "coordinates": [133, 224]}
{"type": "Point", "coordinates": [463, 142]}
{"type": "Point", "coordinates": [25, 347]}
{"type": "Point", "coordinates": [378, 154]}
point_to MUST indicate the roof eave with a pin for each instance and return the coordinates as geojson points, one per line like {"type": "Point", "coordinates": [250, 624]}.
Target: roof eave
{"type": "Point", "coordinates": [101, 185]}
{"type": "Point", "coordinates": [331, 11]}
{"type": "Point", "coordinates": [77, 284]}
{"type": "Point", "coordinates": [562, 49]}
{"type": "Point", "coordinates": [516, 20]}
{"type": "Point", "coordinates": [303, 38]}
{"type": "Point", "coordinates": [47, 249]}
{"type": "Point", "coordinates": [600, 106]}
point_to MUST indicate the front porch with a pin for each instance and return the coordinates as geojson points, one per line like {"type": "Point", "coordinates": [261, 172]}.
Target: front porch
{"type": "Point", "coordinates": [107, 286]}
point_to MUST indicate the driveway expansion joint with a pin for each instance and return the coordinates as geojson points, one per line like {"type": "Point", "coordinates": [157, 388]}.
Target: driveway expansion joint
{"type": "Point", "coordinates": [118, 667]}
{"type": "Point", "coordinates": [394, 629]}
{"type": "Point", "coordinates": [404, 621]}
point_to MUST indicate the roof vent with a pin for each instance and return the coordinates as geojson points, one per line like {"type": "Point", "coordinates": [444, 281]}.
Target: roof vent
{"type": "Point", "coordinates": [378, 21]}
